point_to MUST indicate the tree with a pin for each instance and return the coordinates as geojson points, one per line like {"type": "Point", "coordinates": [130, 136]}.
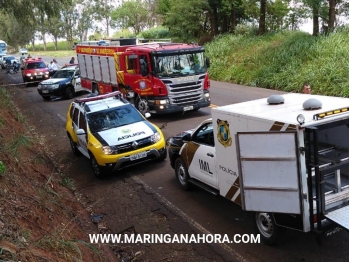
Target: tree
{"type": "Point", "coordinates": [131, 14]}
{"type": "Point", "coordinates": [262, 17]}
{"type": "Point", "coordinates": [102, 10]}
{"type": "Point", "coordinates": [191, 26]}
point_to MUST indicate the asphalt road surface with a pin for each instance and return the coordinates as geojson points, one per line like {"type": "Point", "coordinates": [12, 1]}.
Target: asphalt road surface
{"type": "Point", "coordinates": [199, 209]}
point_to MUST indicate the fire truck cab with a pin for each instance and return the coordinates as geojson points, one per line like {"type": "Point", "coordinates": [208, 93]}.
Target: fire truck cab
{"type": "Point", "coordinates": [156, 77]}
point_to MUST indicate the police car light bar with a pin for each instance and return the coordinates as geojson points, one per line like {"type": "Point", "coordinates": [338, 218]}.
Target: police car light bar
{"type": "Point", "coordinates": [331, 113]}
{"type": "Point", "coordinates": [94, 98]}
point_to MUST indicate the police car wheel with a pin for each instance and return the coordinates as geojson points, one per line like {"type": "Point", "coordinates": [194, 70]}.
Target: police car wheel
{"type": "Point", "coordinates": [98, 171]}
{"type": "Point", "coordinates": [69, 93]}
{"type": "Point", "coordinates": [162, 156]}
{"type": "Point", "coordinates": [182, 174]}
{"type": "Point", "coordinates": [74, 147]}
{"type": "Point", "coordinates": [47, 98]}
{"type": "Point", "coordinates": [267, 228]}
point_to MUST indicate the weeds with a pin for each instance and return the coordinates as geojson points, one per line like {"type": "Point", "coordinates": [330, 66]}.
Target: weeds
{"type": "Point", "coordinates": [283, 61]}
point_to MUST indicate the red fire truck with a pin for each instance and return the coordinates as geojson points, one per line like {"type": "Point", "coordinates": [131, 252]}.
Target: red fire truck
{"type": "Point", "coordinates": [157, 77]}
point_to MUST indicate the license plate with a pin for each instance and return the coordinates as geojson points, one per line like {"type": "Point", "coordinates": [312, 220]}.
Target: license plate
{"type": "Point", "coordinates": [138, 156]}
{"type": "Point", "coordinates": [187, 108]}
{"type": "Point", "coordinates": [38, 76]}
{"type": "Point", "coordinates": [45, 91]}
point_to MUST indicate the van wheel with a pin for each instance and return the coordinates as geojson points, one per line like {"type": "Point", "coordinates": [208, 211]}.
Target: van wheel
{"type": "Point", "coordinates": [267, 227]}
{"type": "Point", "coordinates": [142, 105]}
{"type": "Point", "coordinates": [182, 174]}
{"type": "Point", "coordinates": [69, 93]}
{"type": "Point", "coordinates": [74, 147]}
{"type": "Point", "coordinates": [98, 170]}
{"type": "Point", "coordinates": [95, 89]}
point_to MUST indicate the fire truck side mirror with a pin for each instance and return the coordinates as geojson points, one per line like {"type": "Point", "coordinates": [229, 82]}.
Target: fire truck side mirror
{"type": "Point", "coordinates": [207, 62]}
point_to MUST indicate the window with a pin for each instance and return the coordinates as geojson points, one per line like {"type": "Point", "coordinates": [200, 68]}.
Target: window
{"type": "Point", "coordinates": [76, 116]}
{"type": "Point", "coordinates": [82, 122]}
{"type": "Point", "coordinates": [204, 135]}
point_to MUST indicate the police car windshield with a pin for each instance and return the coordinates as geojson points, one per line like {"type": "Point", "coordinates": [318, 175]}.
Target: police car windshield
{"type": "Point", "coordinates": [112, 118]}
{"type": "Point", "coordinates": [63, 74]}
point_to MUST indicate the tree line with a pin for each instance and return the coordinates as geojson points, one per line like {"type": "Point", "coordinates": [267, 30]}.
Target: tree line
{"type": "Point", "coordinates": [24, 21]}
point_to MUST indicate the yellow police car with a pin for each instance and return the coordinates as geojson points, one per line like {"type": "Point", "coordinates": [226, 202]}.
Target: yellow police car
{"type": "Point", "coordinates": [109, 131]}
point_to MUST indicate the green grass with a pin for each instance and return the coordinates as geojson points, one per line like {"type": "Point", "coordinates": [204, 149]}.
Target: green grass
{"type": "Point", "coordinates": [283, 61]}
{"type": "Point", "coordinates": [63, 50]}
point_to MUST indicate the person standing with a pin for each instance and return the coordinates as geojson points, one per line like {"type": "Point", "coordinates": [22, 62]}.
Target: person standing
{"type": "Point", "coordinates": [54, 67]}
{"type": "Point", "coordinates": [306, 89]}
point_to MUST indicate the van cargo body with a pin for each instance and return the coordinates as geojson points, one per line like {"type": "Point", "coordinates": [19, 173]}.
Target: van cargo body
{"type": "Point", "coordinates": [287, 161]}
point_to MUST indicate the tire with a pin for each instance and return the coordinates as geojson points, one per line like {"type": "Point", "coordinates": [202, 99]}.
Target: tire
{"type": "Point", "coordinates": [182, 174]}
{"type": "Point", "coordinates": [141, 105]}
{"type": "Point", "coordinates": [47, 98]}
{"type": "Point", "coordinates": [69, 93]}
{"type": "Point", "coordinates": [162, 156]}
{"type": "Point", "coordinates": [98, 170]}
{"type": "Point", "coordinates": [95, 89]}
{"type": "Point", "coordinates": [74, 147]}
{"type": "Point", "coordinates": [267, 228]}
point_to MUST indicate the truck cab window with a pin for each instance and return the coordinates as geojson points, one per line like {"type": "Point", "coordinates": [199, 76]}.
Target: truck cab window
{"type": "Point", "coordinates": [204, 135]}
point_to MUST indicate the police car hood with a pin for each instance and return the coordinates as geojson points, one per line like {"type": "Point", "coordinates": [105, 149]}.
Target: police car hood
{"type": "Point", "coordinates": [126, 134]}
{"type": "Point", "coordinates": [53, 81]}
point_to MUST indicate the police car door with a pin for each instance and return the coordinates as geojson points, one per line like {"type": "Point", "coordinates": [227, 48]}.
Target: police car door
{"type": "Point", "coordinates": [202, 164]}
{"type": "Point", "coordinates": [77, 81]}
{"type": "Point", "coordinates": [79, 123]}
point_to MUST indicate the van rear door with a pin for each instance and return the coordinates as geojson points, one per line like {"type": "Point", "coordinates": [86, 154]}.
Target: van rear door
{"type": "Point", "coordinates": [269, 172]}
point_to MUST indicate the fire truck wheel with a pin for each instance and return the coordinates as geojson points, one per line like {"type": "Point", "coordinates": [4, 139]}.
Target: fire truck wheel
{"type": "Point", "coordinates": [142, 105]}
{"type": "Point", "coordinates": [95, 89]}
{"type": "Point", "coordinates": [182, 174]}
{"type": "Point", "coordinates": [267, 228]}
{"type": "Point", "coordinates": [69, 93]}
{"type": "Point", "coordinates": [98, 170]}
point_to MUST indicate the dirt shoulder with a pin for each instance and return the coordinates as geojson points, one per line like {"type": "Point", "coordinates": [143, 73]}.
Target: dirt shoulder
{"type": "Point", "coordinates": [50, 208]}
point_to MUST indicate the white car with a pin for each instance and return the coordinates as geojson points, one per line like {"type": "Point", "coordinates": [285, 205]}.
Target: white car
{"type": "Point", "coordinates": [7, 57]}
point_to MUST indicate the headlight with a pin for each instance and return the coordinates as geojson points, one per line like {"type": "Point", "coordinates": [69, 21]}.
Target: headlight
{"type": "Point", "coordinates": [28, 74]}
{"type": "Point", "coordinates": [155, 137]}
{"type": "Point", "coordinates": [39, 86]}
{"type": "Point", "coordinates": [109, 150]}
{"type": "Point", "coordinates": [54, 86]}
{"type": "Point", "coordinates": [207, 94]}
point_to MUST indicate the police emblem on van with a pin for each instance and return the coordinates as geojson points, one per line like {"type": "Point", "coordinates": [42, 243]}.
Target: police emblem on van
{"type": "Point", "coordinates": [223, 133]}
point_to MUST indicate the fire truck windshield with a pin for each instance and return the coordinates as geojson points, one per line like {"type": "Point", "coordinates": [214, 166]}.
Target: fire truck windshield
{"type": "Point", "coordinates": [179, 65]}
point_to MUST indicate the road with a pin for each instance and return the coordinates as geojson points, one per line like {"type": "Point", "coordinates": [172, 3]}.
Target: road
{"type": "Point", "coordinates": [199, 209]}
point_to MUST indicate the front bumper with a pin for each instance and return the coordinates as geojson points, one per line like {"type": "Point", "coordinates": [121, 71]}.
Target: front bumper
{"type": "Point", "coordinates": [31, 79]}
{"type": "Point", "coordinates": [126, 161]}
{"type": "Point", "coordinates": [51, 92]}
{"type": "Point", "coordinates": [173, 108]}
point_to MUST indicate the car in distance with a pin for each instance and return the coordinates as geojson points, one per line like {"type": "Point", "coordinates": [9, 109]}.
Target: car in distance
{"type": "Point", "coordinates": [112, 133]}
{"type": "Point", "coordinates": [7, 57]}
{"type": "Point", "coordinates": [34, 70]}
{"type": "Point", "coordinates": [64, 83]}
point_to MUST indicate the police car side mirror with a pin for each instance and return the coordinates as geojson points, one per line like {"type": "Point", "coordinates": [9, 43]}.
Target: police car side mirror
{"type": "Point", "coordinates": [80, 132]}
{"type": "Point", "coordinates": [186, 138]}
{"type": "Point", "coordinates": [147, 115]}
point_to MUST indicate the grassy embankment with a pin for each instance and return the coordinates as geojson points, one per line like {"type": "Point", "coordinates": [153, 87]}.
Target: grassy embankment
{"type": "Point", "coordinates": [39, 216]}
{"type": "Point", "coordinates": [283, 61]}
{"type": "Point", "coordinates": [63, 50]}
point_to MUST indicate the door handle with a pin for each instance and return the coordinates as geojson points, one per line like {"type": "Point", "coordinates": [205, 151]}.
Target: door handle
{"type": "Point", "coordinates": [210, 154]}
